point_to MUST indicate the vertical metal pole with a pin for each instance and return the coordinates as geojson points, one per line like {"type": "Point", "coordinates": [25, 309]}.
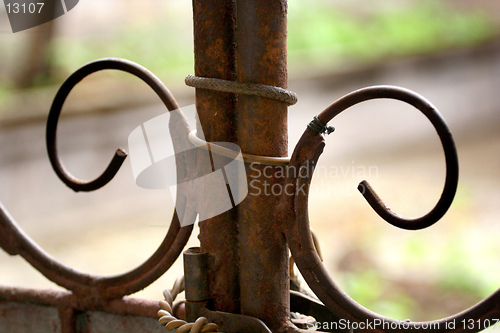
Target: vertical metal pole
{"type": "Point", "coordinates": [214, 46]}
{"type": "Point", "coordinates": [262, 130]}
{"type": "Point", "coordinates": [247, 251]}
{"type": "Point", "coordinates": [195, 281]}
{"type": "Point", "coordinates": [67, 317]}
{"type": "Point", "coordinates": [195, 275]}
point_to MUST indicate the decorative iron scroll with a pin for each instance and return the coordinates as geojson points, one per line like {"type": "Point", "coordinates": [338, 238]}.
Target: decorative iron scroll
{"type": "Point", "coordinates": [94, 291]}
{"type": "Point", "coordinates": [91, 288]}
{"type": "Point", "coordinates": [294, 210]}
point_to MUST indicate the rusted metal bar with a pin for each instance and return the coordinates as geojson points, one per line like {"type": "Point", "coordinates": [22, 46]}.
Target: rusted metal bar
{"type": "Point", "coordinates": [55, 111]}
{"type": "Point", "coordinates": [262, 130]}
{"type": "Point", "coordinates": [214, 46]}
{"type": "Point", "coordinates": [94, 289]}
{"type": "Point", "coordinates": [195, 275]}
{"type": "Point", "coordinates": [58, 299]}
{"type": "Point", "coordinates": [450, 152]}
{"type": "Point", "coordinates": [195, 281]}
{"type": "Point", "coordinates": [294, 210]}
{"type": "Point", "coordinates": [242, 265]}
{"type": "Point", "coordinates": [67, 318]}
{"type": "Point", "coordinates": [91, 288]}
{"type": "Point", "coordinates": [60, 311]}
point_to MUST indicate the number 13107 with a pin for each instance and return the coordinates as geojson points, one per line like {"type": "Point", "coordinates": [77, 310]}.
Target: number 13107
{"type": "Point", "coordinates": [24, 8]}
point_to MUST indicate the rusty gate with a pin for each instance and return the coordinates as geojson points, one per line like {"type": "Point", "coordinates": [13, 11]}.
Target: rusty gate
{"type": "Point", "coordinates": [238, 280]}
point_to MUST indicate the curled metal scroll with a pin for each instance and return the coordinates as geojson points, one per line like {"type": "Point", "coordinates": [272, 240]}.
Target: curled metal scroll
{"type": "Point", "coordinates": [55, 111]}
{"type": "Point", "coordinates": [450, 152]}
{"type": "Point", "coordinates": [91, 287]}
{"type": "Point", "coordinates": [294, 209]}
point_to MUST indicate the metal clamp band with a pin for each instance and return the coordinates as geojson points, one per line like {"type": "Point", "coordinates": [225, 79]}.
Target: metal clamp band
{"type": "Point", "coordinates": [236, 87]}
{"type": "Point", "coordinates": [247, 158]}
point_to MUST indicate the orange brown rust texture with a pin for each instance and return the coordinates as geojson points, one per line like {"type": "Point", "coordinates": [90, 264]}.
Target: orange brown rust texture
{"type": "Point", "coordinates": [262, 130]}
{"type": "Point", "coordinates": [261, 58]}
{"type": "Point", "coordinates": [214, 30]}
{"type": "Point", "coordinates": [247, 249]}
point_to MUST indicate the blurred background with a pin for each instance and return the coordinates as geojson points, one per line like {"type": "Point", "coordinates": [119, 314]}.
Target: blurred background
{"type": "Point", "coordinates": [447, 51]}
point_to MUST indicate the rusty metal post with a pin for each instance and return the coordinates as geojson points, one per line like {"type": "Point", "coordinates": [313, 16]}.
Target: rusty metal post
{"type": "Point", "coordinates": [195, 281]}
{"type": "Point", "coordinates": [195, 270]}
{"type": "Point", "coordinates": [247, 250]}
{"type": "Point", "coordinates": [214, 46]}
{"type": "Point", "coordinates": [262, 130]}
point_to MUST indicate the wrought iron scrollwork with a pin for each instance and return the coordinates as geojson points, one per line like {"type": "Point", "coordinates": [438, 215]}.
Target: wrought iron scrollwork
{"type": "Point", "coordinates": [91, 288]}
{"type": "Point", "coordinates": [292, 208]}
{"type": "Point", "coordinates": [55, 111]}
{"type": "Point", "coordinates": [450, 152]}
{"type": "Point", "coordinates": [306, 154]}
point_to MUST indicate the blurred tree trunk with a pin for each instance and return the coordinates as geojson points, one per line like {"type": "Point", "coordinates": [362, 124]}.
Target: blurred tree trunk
{"type": "Point", "coordinates": [37, 61]}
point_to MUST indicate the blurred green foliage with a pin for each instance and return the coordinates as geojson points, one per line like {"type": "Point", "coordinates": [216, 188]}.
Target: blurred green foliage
{"type": "Point", "coordinates": [439, 274]}
{"type": "Point", "coordinates": [320, 35]}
